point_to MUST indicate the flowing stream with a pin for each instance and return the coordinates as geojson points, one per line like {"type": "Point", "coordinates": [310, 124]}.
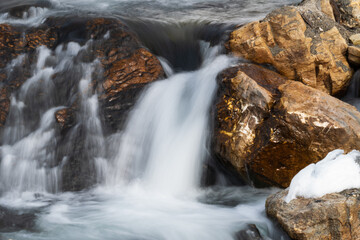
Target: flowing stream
{"type": "Point", "coordinates": [148, 175]}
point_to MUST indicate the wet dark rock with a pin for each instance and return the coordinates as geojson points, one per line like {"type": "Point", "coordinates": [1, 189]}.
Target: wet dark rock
{"type": "Point", "coordinates": [251, 232]}
{"type": "Point", "coordinates": [15, 220]}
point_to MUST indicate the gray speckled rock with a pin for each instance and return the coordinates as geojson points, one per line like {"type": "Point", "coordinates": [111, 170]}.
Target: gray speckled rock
{"type": "Point", "coordinates": [333, 216]}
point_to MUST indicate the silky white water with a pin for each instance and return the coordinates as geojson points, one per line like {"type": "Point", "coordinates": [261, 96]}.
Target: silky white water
{"type": "Point", "coordinates": [165, 138]}
{"type": "Point", "coordinates": [229, 11]}
{"type": "Point", "coordinates": [30, 135]}
{"type": "Point", "coordinates": [150, 187]}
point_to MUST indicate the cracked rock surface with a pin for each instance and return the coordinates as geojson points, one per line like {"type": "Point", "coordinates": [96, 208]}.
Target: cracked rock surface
{"type": "Point", "coordinates": [303, 43]}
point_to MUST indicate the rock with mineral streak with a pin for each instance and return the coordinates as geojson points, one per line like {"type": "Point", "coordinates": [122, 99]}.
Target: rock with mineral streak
{"type": "Point", "coordinates": [270, 128]}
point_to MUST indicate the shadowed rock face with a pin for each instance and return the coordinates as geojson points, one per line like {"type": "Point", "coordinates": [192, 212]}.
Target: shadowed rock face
{"type": "Point", "coordinates": [269, 128]}
{"type": "Point", "coordinates": [333, 216]}
{"type": "Point", "coordinates": [349, 11]}
{"type": "Point", "coordinates": [303, 43]}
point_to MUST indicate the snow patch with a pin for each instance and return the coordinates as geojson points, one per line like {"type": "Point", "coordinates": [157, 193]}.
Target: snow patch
{"type": "Point", "coordinates": [335, 173]}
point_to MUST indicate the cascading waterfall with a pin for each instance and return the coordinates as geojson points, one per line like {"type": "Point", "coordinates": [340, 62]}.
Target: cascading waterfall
{"type": "Point", "coordinates": [28, 149]}
{"type": "Point", "coordinates": [30, 134]}
{"type": "Point", "coordinates": [165, 138]}
{"type": "Point", "coordinates": [353, 93]}
{"type": "Point", "coordinates": [148, 188]}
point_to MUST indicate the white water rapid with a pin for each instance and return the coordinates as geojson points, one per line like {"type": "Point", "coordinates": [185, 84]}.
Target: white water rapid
{"type": "Point", "coordinates": [165, 137]}
{"type": "Point", "coordinates": [150, 187]}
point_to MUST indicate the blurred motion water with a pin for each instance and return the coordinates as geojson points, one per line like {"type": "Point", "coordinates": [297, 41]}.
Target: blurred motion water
{"type": "Point", "coordinates": [226, 11]}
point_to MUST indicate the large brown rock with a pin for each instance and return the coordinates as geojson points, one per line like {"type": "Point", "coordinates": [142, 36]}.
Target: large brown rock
{"type": "Point", "coordinates": [303, 43]}
{"type": "Point", "coordinates": [247, 95]}
{"type": "Point", "coordinates": [127, 68]}
{"type": "Point", "coordinates": [269, 128]}
{"type": "Point", "coordinates": [333, 216]}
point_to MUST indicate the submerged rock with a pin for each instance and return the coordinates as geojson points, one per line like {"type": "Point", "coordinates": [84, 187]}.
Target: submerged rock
{"type": "Point", "coordinates": [303, 43]}
{"type": "Point", "coordinates": [251, 232]}
{"type": "Point", "coordinates": [15, 220]}
{"type": "Point", "coordinates": [270, 128]}
{"type": "Point", "coordinates": [333, 216]}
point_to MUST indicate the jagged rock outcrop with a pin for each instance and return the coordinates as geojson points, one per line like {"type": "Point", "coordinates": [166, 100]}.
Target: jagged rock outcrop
{"type": "Point", "coordinates": [302, 42]}
{"type": "Point", "coordinates": [333, 216]}
{"type": "Point", "coordinates": [269, 128]}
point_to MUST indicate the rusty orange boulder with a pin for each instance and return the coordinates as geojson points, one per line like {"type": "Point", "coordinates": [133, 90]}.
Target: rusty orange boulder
{"type": "Point", "coordinates": [269, 128]}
